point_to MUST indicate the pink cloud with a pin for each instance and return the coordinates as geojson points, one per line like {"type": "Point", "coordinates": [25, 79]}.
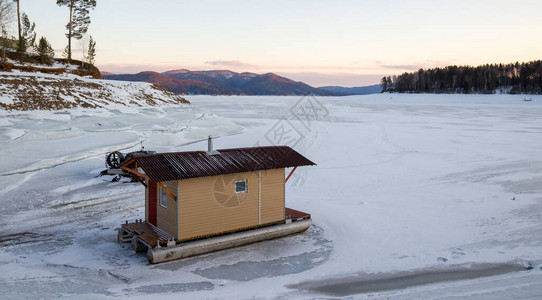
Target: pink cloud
{"type": "Point", "coordinates": [231, 64]}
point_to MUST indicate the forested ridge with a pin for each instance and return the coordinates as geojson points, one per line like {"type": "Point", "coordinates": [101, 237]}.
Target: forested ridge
{"type": "Point", "coordinates": [513, 78]}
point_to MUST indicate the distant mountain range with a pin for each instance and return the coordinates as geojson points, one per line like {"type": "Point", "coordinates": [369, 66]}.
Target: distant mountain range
{"type": "Point", "coordinates": [362, 90]}
{"type": "Point", "coordinates": [224, 82]}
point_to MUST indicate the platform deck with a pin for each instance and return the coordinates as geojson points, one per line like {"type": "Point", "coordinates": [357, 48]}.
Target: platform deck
{"type": "Point", "coordinates": [148, 233]}
{"type": "Point", "coordinates": [296, 214]}
{"type": "Point", "coordinates": [153, 236]}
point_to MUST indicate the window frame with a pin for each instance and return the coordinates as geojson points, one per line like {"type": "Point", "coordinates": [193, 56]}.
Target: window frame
{"type": "Point", "coordinates": [163, 195]}
{"type": "Point", "coordinates": [245, 189]}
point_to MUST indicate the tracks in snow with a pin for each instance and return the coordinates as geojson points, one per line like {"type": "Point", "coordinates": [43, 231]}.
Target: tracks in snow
{"type": "Point", "coordinates": [54, 162]}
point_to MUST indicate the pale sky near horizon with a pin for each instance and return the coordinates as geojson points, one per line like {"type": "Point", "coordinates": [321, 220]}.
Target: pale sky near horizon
{"type": "Point", "coordinates": [342, 42]}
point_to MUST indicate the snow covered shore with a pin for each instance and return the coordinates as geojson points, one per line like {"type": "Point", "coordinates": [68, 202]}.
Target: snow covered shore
{"type": "Point", "coordinates": [403, 183]}
{"type": "Point", "coordinates": [34, 90]}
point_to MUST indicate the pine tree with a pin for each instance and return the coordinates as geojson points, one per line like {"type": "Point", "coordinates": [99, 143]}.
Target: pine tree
{"type": "Point", "coordinates": [384, 84]}
{"type": "Point", "coordinates": [28, 37]}
{"type": "Point", "coordinates": [79, 19]}
{"type": "Point", "coordinates": [510, 78]}
{"type": "Point", "coordinates": [65, 52]}
{"type": "Point", "coordinates": [45, 51]}
{"type": "Point", "coordinates": [390, 84]}
{"type": "Point", "coordinates": [91, 54]}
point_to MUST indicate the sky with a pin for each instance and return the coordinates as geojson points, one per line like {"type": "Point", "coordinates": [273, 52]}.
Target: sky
{"type": "Point", "coordinates": [341, 42]}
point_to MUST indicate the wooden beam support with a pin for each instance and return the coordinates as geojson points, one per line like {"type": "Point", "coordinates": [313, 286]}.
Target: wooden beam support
{"type": "Point", "coordinates": [134, 172]}
{"type": "Point", "coordinates": [137, 175]}
{"type": "Point", "coordinates": [140, 181]}
{"type": "Point", "coordinates": [170, 194]}
{"type": "Point", "coordinates": [290, 175]}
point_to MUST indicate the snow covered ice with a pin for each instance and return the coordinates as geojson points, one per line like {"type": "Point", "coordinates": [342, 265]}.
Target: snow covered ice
{"type": "Point", "coordinates": [404, 184]}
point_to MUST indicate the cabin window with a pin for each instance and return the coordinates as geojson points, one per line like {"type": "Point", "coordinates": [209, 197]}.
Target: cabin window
{"type": "Point", "coordinates": [241, 186]}
{"type": "Point", "coordinates": [163, 197]}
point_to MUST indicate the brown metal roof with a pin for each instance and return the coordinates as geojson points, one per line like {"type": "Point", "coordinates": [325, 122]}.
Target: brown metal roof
{"type": "Point", "coordinates": [183, 165]}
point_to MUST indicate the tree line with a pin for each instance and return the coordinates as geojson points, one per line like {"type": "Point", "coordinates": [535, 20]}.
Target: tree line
{"type": "Point", "coordinates": [513, 78]}
{"type": "Point", "coordinates": [76, 28]}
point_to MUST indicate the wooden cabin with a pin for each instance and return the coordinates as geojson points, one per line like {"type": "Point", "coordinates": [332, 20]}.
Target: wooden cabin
{"type": "Point", "coordinates": [190, 195]}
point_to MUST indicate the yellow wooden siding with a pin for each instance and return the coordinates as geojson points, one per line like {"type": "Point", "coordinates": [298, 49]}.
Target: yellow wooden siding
{"type": "Point", "coordinates": [272, 194]}
{"type": "Point", "coordinates": [209, 205]}
{"type": "Point", "coordinates": [167, 217]}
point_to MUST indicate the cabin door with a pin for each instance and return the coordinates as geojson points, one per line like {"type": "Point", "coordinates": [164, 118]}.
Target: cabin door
{"type": "Point", "coordinates": [153, 196]}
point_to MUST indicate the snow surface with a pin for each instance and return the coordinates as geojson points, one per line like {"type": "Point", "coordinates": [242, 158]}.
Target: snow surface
{"type": "Point", "coordinates": [404, 183]}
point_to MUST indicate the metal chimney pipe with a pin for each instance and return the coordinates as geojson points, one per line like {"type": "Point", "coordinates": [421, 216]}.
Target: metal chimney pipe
{"type": "Point", "coordinates": [210, 150]}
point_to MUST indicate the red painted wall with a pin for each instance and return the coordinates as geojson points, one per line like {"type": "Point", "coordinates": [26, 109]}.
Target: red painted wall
{"type": "Point", "coordinates": [153, 202]}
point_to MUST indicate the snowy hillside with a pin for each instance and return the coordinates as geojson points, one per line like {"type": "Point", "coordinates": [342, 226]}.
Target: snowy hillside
{"type": "Point", "coordinates": [28, 84]}
{"type": "Point", "coordinates": [413, 197]}
{"type": "Point", "coordinates": [35, 90]}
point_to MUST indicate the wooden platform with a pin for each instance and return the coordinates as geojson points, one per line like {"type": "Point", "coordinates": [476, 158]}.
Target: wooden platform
{"type": "Point", "coordinates": [296, 214]}
{"type": "Point", "coordinates": [148, 233]}
{"type": "Point", "coordinates": [152, 236]}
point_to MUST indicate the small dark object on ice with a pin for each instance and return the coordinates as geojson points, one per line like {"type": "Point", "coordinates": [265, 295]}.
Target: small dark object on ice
{"type": "Point", "coordinates": [443, 259]}
{"type": "Point", "coordinates": [526, 264]}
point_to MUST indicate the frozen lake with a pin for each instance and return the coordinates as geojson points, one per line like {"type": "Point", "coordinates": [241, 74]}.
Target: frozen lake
{"type": "Point", "coordinates": [405, 185]}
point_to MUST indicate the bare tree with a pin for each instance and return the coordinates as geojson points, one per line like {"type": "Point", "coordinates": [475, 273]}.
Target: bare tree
{"type": "Point", "coordinates": [83, 42]}
{"type": "Point", "coordinates": [6, 16]}
{"type": "Point", "coordinates": [19, 28]}
{"type": "Point", "coordinates": [6, 12]}
{"type": "Point", "coordinates": [4, 43]}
